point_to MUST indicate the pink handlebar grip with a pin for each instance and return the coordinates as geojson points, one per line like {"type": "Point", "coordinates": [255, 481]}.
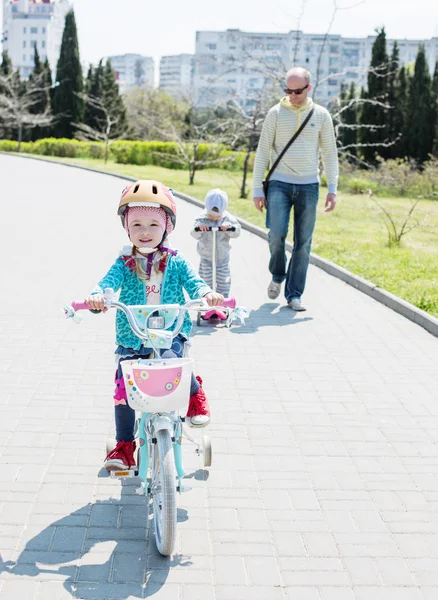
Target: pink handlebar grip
{"type": "Point", "coordinates": [76, 305]}
{"type": "Point", "coordinates": [229, 302]}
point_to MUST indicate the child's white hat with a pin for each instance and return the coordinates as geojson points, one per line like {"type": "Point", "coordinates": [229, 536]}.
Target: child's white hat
{"type": "Point", "coordinates": [216, 201]}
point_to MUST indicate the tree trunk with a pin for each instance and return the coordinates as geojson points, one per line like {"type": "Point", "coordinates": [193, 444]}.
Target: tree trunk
{"type": "Point", "coordinates": [106, 149]}
{"type": "Point", "coordinates": [20, 136]}
{"type": "Point", "coordinates": [192, 174]}
{"type": "Point", "coordinates": [243, 192]}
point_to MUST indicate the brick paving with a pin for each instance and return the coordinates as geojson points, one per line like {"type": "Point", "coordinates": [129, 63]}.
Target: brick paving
{"type": "Point", "coordinates": [325, 426]}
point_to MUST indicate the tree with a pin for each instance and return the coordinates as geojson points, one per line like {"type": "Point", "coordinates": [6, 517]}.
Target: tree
{"type": "Point", "coordinates": [435, 105]}
{"type": "Point", "coordinates": [93, 88]}
{"type": "Point", "coordinates": [107, 122]}
{"type": "Point", "coordinates": [5, 69]}
{"type": "Point", "coordinates": [41, 79]}
{"type": "Point", "coordinates": [105, 113]}
{"type": "Point", "coordinates": [374, 114]}
{"type": "Point", "coordinates": [420, 111]}
{"type": "Point", "coordinates": [400, 150]}
{"type": "Point", "coordinates": [147, 107]}
{"type": "Point", "coordinates": [393, 132]}
{"type": "Point", "coordinates": [245, 126]}
{"type": "Point", "coordinates": [345, 121]}
{"type": "Point", "coordinates": [198, 146]}
{"type": "Point", "coordinates": [6, 65]}
{"type": "Point", "coordinates": [139, 72]}
{"type": "Point", "coordinates": [68, 105]}
{"type": "Point", "coordinates": [111, 98]}
{"type": "Point", "coordinates": [17, 103]}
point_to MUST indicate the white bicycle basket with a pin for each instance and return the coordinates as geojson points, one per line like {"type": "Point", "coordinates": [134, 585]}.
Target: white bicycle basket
{"type": "Point", "coordinates": [157, 385]}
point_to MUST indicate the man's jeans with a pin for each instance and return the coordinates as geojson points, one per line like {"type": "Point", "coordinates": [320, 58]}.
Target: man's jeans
{"type": "Point", "coordinates": [281, 198]}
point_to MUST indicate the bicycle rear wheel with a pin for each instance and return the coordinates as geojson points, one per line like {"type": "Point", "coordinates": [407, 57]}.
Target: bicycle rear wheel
{"type": "Point", "coordinates": [163, 490]}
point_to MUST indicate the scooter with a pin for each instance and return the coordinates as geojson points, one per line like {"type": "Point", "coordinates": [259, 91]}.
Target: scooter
{"type": "Point", "coordinates": [221, 314]}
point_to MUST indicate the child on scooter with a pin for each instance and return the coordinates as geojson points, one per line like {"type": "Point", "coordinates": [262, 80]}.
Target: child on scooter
{"type": "Point", "coordinates": [149, 273]}
{"type": "Point", "coordinates": [216, 215]}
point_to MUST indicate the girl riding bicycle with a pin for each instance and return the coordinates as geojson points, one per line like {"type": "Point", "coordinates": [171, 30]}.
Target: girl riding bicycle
{"type": "Point", "coordinates": [151, 273]}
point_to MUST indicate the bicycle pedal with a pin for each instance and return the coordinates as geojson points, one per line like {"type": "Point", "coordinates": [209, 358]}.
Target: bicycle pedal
{"type": "Point", "coordinates": [125, 473]}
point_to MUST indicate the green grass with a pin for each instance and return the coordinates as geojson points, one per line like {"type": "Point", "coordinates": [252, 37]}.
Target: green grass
{"type": "Point", "coordinates": [353, 236]}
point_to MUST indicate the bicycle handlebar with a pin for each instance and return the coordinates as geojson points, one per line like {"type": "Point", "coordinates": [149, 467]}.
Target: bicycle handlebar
{"type": "Point", "coordinates": [215, 229]}
{"type": "Point", "coordinates": [227, 303]}
{"type": "Point", "coordinates": [200, 303]}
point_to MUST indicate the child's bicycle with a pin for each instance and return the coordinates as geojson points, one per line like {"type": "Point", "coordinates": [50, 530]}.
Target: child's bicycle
{"type": "Point", "coordinates": [158, 388]}
{"type": "Point", "coordinates": [220, 313]}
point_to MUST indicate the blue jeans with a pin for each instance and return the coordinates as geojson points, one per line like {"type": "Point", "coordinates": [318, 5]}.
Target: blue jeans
{"type": "Point", "coordinates": [281, 198]}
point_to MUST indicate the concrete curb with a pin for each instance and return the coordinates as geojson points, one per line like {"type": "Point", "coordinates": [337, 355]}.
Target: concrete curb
{"type": "Point", "coordinates": [411, 312]}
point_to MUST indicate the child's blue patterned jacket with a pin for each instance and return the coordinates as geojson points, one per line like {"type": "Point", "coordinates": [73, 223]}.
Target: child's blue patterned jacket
{"type": "Point", "coordinates": [178, 275]}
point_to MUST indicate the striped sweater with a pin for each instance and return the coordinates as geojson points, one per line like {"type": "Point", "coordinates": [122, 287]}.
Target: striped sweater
{"type": "Point", "coordinates": [300, 163]}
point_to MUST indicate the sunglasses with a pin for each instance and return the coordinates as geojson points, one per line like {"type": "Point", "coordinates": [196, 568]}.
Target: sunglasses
{"type": "Point", "coordinates": [296, 92]}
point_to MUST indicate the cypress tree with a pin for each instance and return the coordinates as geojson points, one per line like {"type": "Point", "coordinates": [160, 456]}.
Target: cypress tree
{"type": "Point", "coordinates": [67, 106]}
{"type": "Point", "coordinates": [112, 99]}
{"type": "Point", "coordinates": [372, 114]}
{"type": "Point", "coordinates": [5, 69]}
{"type": "Point", "coordinates": [48, 72]}
{"type": "Point", "coordinates": [92, 115]}
{"type": "Point", "coordinates": [420, 111]}
{"type": "Point", "coordinates": [348, 135]}
{"type": "Point", "coordinates": [40, 78]}
{"type": "Point", "coordinates": [6, 64]}
{"type": "Point", "coordinates": [392, 99]}
{"type": "Point", "coordinates": [435, 106]}
{"type": "Point", "coordinates": [351, 119]}
{"type": "Point", "coordinates": [400, 149]}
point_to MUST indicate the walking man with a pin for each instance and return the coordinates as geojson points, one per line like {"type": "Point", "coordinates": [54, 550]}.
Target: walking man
{"type": "Point", "coordinates": [294, 182]}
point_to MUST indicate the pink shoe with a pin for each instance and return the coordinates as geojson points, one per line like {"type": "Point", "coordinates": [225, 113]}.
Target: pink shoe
{"type": "Point", "coordinates": [122, 457]}
{"type": "Point", "coordinates": [198, 411]}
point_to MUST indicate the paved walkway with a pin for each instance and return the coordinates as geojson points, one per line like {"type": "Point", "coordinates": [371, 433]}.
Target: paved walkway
{"type": "Point", "coordinates": [325, 426]}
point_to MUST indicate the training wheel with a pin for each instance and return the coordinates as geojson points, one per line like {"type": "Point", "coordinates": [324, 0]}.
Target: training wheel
{"type": "Point", "coordinates": [206, 450]}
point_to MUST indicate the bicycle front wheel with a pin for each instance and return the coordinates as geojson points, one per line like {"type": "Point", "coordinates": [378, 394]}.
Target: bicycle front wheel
{"type": "Point", "coordinates": [163, 489]}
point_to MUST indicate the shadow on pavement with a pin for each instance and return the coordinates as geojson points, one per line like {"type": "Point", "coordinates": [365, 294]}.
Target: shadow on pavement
{"type": "Point", "coordinates": [74, 550]}
{"type": "Point", "coordinates": [264, 316]}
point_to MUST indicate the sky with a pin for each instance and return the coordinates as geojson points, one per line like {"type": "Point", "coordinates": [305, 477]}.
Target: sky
{"type": "Point", "coordinates": [151, 28]}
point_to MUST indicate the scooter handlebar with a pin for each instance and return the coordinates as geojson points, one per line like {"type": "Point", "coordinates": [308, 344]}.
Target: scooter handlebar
{"type": "Point", "coordinates": [216, 228]}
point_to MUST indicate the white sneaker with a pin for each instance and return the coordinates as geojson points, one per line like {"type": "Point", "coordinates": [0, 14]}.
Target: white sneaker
{"type": "Point", "coordinates": [296, 305]}
{"type": "Point", "coordinates": [274, 290]}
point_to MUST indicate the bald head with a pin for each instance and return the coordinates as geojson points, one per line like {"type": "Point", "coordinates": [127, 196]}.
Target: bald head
{"type": "Point", "coordinates": [298, 80]}
{"type": "Point", "coordinates": [300, 73]}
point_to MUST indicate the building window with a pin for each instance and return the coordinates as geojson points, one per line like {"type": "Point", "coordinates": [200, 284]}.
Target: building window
{"type": "Point", "coordinates": [44, 30]}
{"type": "Point", "coordinates": [43, 44]}
{"type": "Point", "coordinates": [24, 43]}
{"type": "Point", "coordinates": [24, 29]}
{"type": "Point", "coordinates": [211, 46]}
{"type": "Point", "coordinates": [34, 29]}
{"type": "Point", "coordinates": [24, 58]}
{"type": "Point", "coordinates": [33, 43]}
